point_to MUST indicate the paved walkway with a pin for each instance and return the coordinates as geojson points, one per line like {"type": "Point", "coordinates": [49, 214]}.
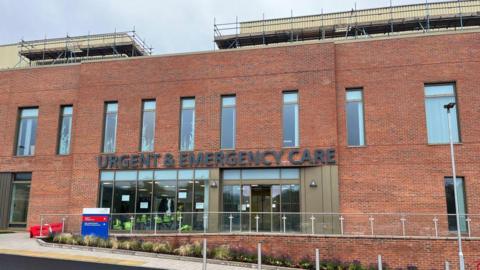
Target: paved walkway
{"type": "Point", "coordinates": [21, 244]}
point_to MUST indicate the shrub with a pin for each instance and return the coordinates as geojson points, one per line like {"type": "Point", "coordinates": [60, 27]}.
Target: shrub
{"type": "Point", "coordinates": [306, 263]}
{"type": "Point", "coordinates": [90, 241]}
{"type": "Point", "coordinates": [197, 249]}
{"type": "Point", "coordinates": [162, 248]}
{"type": "Point", "coordinates": [243, 256]}
{"type": "Point", "coordinates": [62, 238]}
{"type": "Point", "coordinates": [184, 250]}
{"type": "Point", "coordinates": [103, 243]}
{"type": "Point", "coordinates": [114, 243]}
{"type": "Point", "coordinates": [130, 245]}
{"type": "Point", "coordinates": [147, 246]}
{"type": "Point", "coordinates": [222, 253]}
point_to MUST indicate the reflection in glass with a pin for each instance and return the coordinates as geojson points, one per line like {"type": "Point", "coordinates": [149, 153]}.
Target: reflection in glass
{"type": "Point", "coordinates": [124, 198]}
{"type": "Point", "coordinates": [110, 129]}
{"type": "Point", "coordinates": [436, 96]}
{"type": "Point", "coordinates": [227, 136]}
{"type": "Point", "coordinates": [451, 209]}
{"type": "Point", "coordinates": [106, 193]}
{"type": "Point", "coordinates": [290, 119]}
{"type": "Point", "coordinates": [19, 205]}
{"type": "Point", "coordinates": [148, 126]}
{"type": "Point", "coordinates": [354, 108]}
{"type": "Point", "coordinates": [187, 126]}
{"type": "Point", "coordinates": [231, 203]}
{"type": "Point", "coordinates": [27, 132]}
{"type": "Point", "coordinates": [65, 130]}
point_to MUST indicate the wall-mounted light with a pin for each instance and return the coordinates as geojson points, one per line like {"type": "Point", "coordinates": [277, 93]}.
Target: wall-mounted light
{"type": "Point", "coordinates": [214, 184]}
{"type": "Point", "coordinates": [313, 184]}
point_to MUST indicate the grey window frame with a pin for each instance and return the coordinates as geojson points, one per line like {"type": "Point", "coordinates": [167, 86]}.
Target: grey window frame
{"type": "Point", "coordinates": [60, 126]}
{"type": "Point", "coordinates": [181, 123]}
{"type": "Point", "coordinates": [17, 129]}
{"type": "Point", "coordinates": [353, 89]}
{"type": "Point", "coordinates": [457, 108]}
{"type": "Point", "coordinates": [234, 124]}
{"type": "Point", "coordinates": [142, 123]}
{"type": "Point", "coordinates": [297, 139]}
{"type": "Point", "coordinates": [105, 113]}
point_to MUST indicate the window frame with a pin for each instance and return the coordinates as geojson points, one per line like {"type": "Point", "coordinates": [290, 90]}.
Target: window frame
{"type": "Point", "coordinates": [180, 123]}
{"type": "Point", "coordinates": [105, 109]}
{"type": "Point", "coordinates": [17, 128]}
{"type": "Point", "coordinates": [295, 91]}
{"type": "Point", "coordinates": [351, 89]}
{"type": "Point", "coordinates": [221, 120]}
{"type": "Point", "coordinates": [465, 200]}
{"type": "Point", "coordinates": [455, 95]}
{"type": "Point", "coordinates": [142, 112]}
{"type": "Point", "coordinates": [59, 131]}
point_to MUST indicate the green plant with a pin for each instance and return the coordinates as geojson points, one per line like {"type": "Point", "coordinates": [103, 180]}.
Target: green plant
{"type": "Point", "coordinates": [90, 241]}
{"type": "Point", "coordinates": [103, 243]}
{"type": "Point", "coordinates": [114, 243]}
{"type": "Point", "coordinates": [63, 238]}
{"type": "Point", "coordinates": [186, 228]}
{"type": "Point", "coordinates": [130, 245]}
{"type": "Point", "coordinates": [184, 250]}
{"type": "Point", "coordinates": [147, 246]}
{"type": "Point", "coordinates": [197, 249]}
{"type": "Point", "coordinates": [306, 263]}
{"type": "Point", "coordinates": [222, 253]}
{"type": "Point", "coordinates": [162, 248]}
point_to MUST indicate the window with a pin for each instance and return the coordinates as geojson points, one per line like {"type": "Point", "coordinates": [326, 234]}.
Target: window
{"type": "Point", "coordinates": [148, 126]}
{"type": "Point", "coordinates": [450, 195]}
{"type": "Point", "coordinates": [20, 199]}
{"type": "Point", "coordinates": [27, 132]}
{"type": "Point", "coordinates": [354, 110]}
{"type": "Point", "coordinates": [290, 119]}
{"type": "Point", "coordinates": [228, 123]}
{"type": "Point", "coordinates": [65, 131]}
{"type": "Point", "coordinates": [187, 126]}
{"type": "Point", "coordinates": [110, 129]}
{"type": "Point", "coordinates": [436, 96]}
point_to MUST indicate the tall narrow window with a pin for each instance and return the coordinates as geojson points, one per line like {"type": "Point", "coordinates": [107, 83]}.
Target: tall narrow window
{"type": "Point", "coordinates": [436, 96]}
{"type": "Point", "coordinates": [228, 122]}
{"type": "Point", "coordinates": [110, 129]}
{"type": "Point", "coordinates": [65, 131]}
{"type": "Point", "coordinates": [27, 132]}
{"type": "Point", "coordinates": [290, 119]}
{"type": "Point", "coordinates": [187, 126]}
{"type": "Point", "coordinates": [354, 109]}
{"type": "Point", "coordinates": [450, 194]}
{"type": "Point", "coordinates": [148, 126]}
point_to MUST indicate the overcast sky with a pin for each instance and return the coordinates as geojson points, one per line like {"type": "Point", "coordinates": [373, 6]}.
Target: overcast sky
{"type": "Point", "coordinates": [169, 26]}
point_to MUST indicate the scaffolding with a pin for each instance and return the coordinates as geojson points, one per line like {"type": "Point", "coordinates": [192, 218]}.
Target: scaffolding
{"type": "Point", "coordinates": [366, 23]}
{"type": "Point", "coordinates": [81, 48]}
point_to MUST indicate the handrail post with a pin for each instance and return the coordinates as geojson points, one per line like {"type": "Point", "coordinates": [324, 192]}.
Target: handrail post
{"type": "Point", "coordinates": [132, 220]}
{"type": "Point", "coordinates": [284, 225]}
{"type": "Point", "coordinates": [341, 224]}
{"type": "Point", "coordinates": [41, 225]}
{"type": "Point", "coordinates": [63, 224]}
{"type": "Point", "coordinates": [371, 219]}
{"type": "Point", "coordinates": [435, 221]}
{"type": "Point", "coordinates": [312, 218]}
{"type": "Point", "coordinates": [231, 218]}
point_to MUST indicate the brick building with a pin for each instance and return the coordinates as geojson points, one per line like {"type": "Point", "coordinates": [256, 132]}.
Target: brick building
{"type": "Point", "coordinates": [341, 126]}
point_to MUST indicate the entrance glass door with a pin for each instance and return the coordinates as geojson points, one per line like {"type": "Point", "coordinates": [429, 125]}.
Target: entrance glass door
{"type": "Point", "coordinates": [261, 207]}
{"type": "Point", "coordinates": [19, 205]}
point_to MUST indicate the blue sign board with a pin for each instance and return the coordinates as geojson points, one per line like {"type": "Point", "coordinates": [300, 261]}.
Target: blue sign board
{"type": "Point", "coordinates": [95, 222]}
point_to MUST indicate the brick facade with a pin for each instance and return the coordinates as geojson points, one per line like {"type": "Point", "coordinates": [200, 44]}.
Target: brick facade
{"type": "Point", "coordinates": [397, 170]}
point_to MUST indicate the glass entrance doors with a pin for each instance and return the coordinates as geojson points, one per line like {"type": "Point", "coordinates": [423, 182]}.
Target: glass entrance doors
{"type": "Point", "coordinates": [20, 198]}
{"type": "Point", "coordinates": [261, 207]}
{"type": "Point", "coordinates": [265, 207]}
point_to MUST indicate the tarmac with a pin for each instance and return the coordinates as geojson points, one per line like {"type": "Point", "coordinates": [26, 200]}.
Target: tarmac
{"type": "Point", "coordinates": [20, 244]}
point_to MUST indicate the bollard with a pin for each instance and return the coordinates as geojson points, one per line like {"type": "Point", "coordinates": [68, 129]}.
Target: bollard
{"type": "Point", "coordinates": [447, 265]}
{"type": "Point", "coordinates": [317, 259]}
{"type": "Point", "coordinates": [259, 256]}
{"type": "Point", "coordinates": [63, 224]}
{"type": "Point", "coordinates": [204, 253]}
{"type": "Point", "coordinates": [379, 262]}
{"type": "Point", "coordinates": [41, 226]}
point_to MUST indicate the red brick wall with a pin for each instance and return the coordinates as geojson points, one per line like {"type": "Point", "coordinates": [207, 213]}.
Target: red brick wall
{"type": "Point", "coordinates": [396, 253]}
{"type": "Point", "coordinates": [396, 172]}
